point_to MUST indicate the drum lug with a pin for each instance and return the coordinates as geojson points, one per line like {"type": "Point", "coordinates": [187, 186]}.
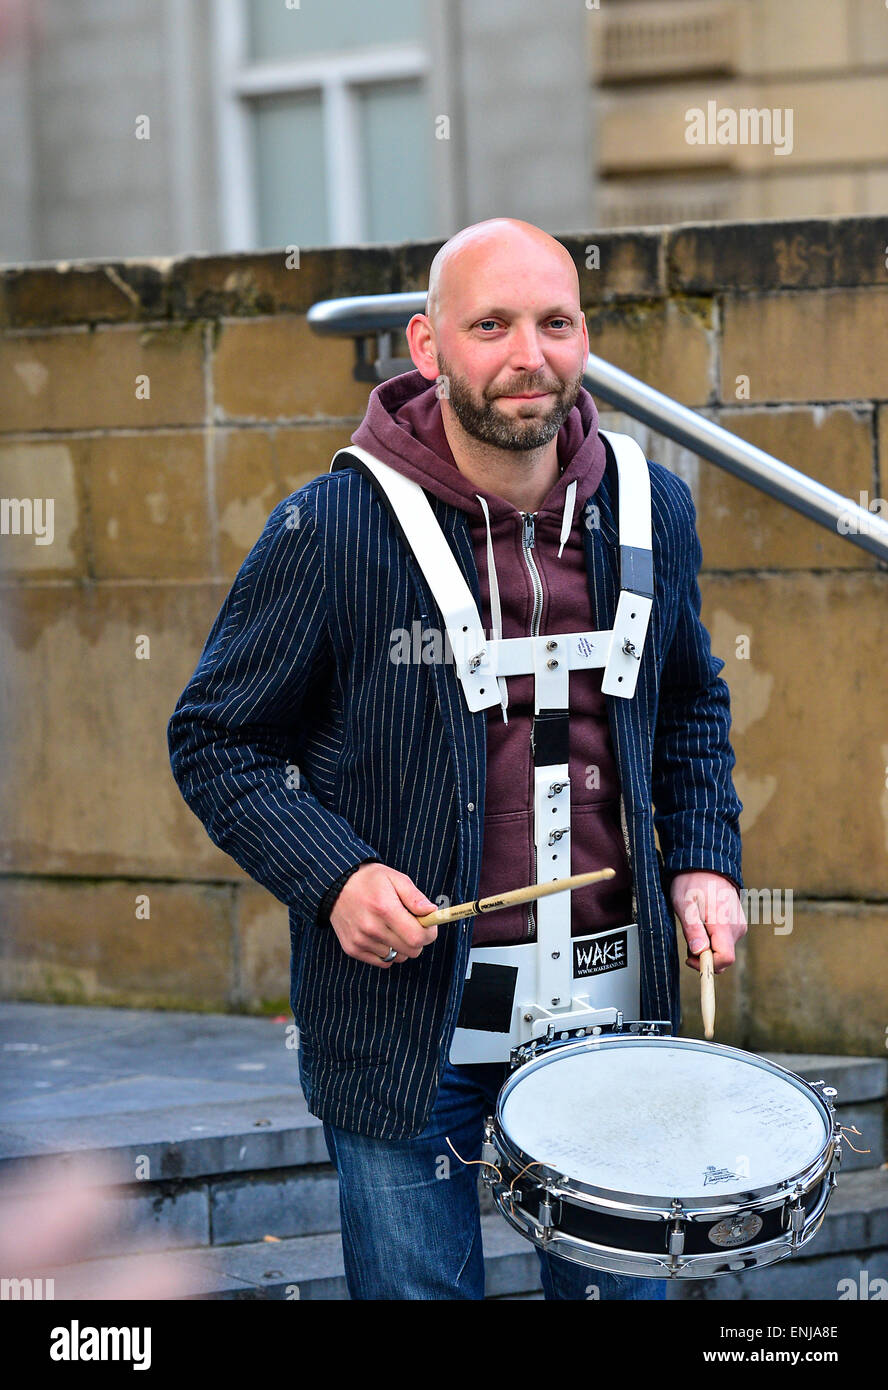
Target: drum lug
{"type": "Point", "coordinates": [546, 1214]}
{"type": "Point", "coordinates": [676, 1242]}
{"type": "Point", "coordinates": [489, 1152]}
{"type": "Point", "coordinates": [836, 1158]}
{"type": "Point", "coordinates": [796, 1219]}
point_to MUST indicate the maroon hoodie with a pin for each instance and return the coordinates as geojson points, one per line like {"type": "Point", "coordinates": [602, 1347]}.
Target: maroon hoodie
{"type": "Point", "coordinates": [403, 427]}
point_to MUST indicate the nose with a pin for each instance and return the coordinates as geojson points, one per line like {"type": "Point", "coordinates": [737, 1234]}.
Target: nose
{"type": "Point", "coordinates": [525, 351]}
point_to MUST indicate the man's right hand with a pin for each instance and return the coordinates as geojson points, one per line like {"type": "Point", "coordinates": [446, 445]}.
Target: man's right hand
{"type": "Point", "coordinates": [377, 910]}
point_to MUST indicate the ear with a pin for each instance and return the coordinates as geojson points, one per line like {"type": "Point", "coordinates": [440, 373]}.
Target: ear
{"type": "Point", "coordinates": [421, 342]}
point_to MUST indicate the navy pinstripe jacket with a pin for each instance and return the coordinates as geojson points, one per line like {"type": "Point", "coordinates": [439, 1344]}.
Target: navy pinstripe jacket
{"type": "Point", "coordinates": [305, 750]}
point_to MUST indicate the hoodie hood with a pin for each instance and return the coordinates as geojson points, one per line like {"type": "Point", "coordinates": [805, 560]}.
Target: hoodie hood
{"type": "Point", "coordinates": [404, 427]}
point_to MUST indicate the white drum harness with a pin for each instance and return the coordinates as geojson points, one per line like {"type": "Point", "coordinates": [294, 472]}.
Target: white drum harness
{"type": "Point", "coordinates": [514, 994]}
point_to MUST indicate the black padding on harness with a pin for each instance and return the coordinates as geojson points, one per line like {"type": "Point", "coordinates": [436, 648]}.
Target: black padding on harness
{"type": "Point", "coordinates": [637, 570]}
{"type": "Point", "coordinates": [488, 996]}
{"type": "Point", "coordinates": [550, 739]}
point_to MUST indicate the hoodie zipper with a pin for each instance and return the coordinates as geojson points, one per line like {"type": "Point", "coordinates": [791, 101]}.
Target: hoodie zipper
{"type": "Point", "coordinates": [528, 539]}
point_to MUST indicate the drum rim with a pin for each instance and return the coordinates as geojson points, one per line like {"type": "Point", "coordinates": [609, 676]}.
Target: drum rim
{"type": "Point", "coordinates": [661, 1205]}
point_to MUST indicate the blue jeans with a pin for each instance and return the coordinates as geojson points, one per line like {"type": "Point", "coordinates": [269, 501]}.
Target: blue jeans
{"type": "Point", "coordinates": [411, 1225]}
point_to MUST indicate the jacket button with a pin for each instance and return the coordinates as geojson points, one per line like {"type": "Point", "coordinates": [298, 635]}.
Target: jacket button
{"type": "Point", "coordinates": [471, 806]}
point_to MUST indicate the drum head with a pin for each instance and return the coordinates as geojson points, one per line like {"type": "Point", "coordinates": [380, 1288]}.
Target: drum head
{"type": "Point", "coordinates": [660, 1117]}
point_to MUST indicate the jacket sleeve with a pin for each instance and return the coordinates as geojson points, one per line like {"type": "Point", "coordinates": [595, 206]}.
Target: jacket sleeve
{"type": "Point", "coordinates": [233, 734]}
{"type": "Point", "coordinates": [696, 809]}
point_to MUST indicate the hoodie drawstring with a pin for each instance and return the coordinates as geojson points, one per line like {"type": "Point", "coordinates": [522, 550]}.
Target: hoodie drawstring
{"type": "Point", "coordinates": [568, 514]}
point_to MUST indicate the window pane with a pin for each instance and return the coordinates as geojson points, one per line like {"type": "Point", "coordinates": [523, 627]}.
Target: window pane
{"type": "Point", "coordinates": [330, 25]}
{"type": "Point", "coordinates": [395, 132]}
{"type": "Point", "coordinates": [291, 185]}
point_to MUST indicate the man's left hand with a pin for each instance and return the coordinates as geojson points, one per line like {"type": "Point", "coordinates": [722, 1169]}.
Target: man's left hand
{"type": "Point", "coordinates": [711, 914]}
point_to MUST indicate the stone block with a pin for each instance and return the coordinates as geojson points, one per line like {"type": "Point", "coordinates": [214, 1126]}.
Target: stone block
{"type": "Point", "coordinates": [83, 380]}
{"type": "Point", "coordinates": [246, 489]}
{"type": "Point", "coordinates": [284, 1204]}
{"type": "Point", "coordinates": [829, 120]}
{"type": "Point", "coordinates": [882, 456]}
{"type": "Point", "coordinates": [80, 942]}
{"type": "Point", "coordinates": [263, 949]}
{"type": "Point", "coordinates": [808, 991]}
{"type": "Point", "coordinates": [261, 283]}
{"type": "Point", "coordinates": [806, 346]}
{"type": "Point", "coordinates": [254, 469]}
{"type": "Point", "coordinates": [304, 454]}
{"type": "Point", "coordinates": [82, 292]}
{"type": "Point", "coordinates": [741, 527]}
{"type": "Point", "coordinates": [88, 786]}
{"type": "Point", "coordinates": [803, 655]}
{"type": "Point", "coordinates": [42, 532]}
{"type": "Point", "coordinates": [666, 345]}
{"type": "Point", "coordinates": [277, 368]}
{"type": "Point", "coordinates": [148, 505]}
{"type": "Point", "coordinates": [814, 253]}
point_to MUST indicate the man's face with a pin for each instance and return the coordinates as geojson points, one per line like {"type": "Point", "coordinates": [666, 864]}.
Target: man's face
{"type": "Point", "coordinates": [512, 347]}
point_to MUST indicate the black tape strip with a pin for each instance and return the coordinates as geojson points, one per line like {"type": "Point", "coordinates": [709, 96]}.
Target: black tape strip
{"type": "Point", "coordinates": [637, 570]}
{"type": "Point", "coordinates": [551, 737]}
{"type": "Point", "coordinates": [488, 997]}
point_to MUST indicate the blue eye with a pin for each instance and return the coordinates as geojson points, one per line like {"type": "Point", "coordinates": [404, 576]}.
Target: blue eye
{"type": "Point", "coordinates": [490, 321]}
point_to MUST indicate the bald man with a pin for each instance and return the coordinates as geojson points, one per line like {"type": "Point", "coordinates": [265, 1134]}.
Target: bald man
{"type": "Point", "coordinates": [324, 742]}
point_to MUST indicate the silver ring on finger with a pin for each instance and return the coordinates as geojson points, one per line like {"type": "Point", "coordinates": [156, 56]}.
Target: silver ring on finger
{"type": "Point", "coordinates": [391, 955]}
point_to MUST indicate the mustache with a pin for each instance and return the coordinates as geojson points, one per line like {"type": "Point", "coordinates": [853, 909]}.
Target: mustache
{"type": "Point", "coordinates": [528, 388]}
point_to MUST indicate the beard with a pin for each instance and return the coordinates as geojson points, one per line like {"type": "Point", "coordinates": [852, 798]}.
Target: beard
{"type": "Point", "coordinates": [484, 420]}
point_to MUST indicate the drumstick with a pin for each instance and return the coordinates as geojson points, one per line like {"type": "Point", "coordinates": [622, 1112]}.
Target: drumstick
{"type": "Point", "coordinates": [707, 992]}
{"type": "Point", "coordinates": [515, 895]}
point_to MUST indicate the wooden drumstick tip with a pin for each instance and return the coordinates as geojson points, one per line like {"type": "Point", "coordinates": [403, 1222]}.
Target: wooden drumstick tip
{"type": "Point", "coordinates": [707, 993]}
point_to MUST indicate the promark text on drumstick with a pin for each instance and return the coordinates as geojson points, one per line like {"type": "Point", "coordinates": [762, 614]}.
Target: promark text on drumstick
{"type": "Point", "coordinates": [515, 895]}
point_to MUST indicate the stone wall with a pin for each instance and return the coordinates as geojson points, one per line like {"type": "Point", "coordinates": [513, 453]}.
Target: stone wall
{"type": "Point", "coordinates": [166, 406]}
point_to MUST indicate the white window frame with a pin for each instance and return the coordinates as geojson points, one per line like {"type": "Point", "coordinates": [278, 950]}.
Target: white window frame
{"type": "Point", "coordinates": [337, 77]}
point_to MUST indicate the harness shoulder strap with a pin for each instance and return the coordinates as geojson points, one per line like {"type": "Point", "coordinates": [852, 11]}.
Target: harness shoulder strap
{"type": "Point", "coordinates": [419, 527]}
{"type": "Point", "coordinates": [636, 598]}
{"type": "Point", "coordinates": [422, 533]}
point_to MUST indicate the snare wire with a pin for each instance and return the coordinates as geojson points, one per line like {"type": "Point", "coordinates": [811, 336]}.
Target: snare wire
{"type": "Point", "coordinates": [852, 1129]}
{"type": "Point", "coordinates": [484, 1164]}
{"type": "Point", "coordinates": [467, 1161]}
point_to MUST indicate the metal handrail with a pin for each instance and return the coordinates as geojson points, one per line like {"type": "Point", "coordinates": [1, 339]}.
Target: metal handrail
{"type": "Point", "coordinates": [364, 315]}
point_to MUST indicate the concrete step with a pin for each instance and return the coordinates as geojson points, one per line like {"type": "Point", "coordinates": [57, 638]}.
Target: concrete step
{"type": "Point", "coordinates": [854, 1274]}
{"type": "Point", "coordinates": [849, 1253]}
{"type": "Point", "coordinates": [307, 1267]}
{"type": "Point", "coordinates": [223, 1209]}
{"type": "Point", "coordinates": [233, 1170]}
{"type": "Point", "coordinates": [212, 1148]}
{"type": "Point", "coordinates": [272, 1129]}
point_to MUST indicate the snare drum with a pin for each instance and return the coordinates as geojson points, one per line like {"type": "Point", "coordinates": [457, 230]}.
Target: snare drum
{"type": "Point", "coordinates": [660, 1156]}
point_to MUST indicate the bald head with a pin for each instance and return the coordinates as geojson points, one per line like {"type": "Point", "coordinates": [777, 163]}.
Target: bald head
{"type": "Point", "coordinates": [503, 335]}
{"type": "Point", "coordinates": [500, 245]}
